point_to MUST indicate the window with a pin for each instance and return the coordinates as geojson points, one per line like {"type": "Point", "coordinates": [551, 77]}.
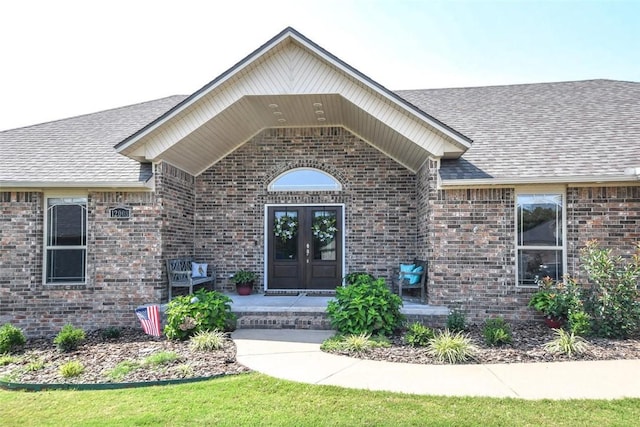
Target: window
{"type": "Point", "coordinates": [304, 179]}
{"type": "Point", "coordinates": [540, 237]}
{"type": "Point", "coordinates": [66, 240]}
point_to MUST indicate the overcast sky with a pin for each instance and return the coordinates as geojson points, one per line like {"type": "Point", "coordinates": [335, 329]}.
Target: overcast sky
{"type": "Point", "coordinates": [62, 58]}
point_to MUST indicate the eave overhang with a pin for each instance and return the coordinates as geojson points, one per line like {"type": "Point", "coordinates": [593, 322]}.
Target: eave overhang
{"type": "Point", "coordinates": [290, 82]}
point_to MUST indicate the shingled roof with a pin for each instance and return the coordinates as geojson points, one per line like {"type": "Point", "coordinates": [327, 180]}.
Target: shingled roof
{"type": "Point", "coordinates": [584, 131]}
{"type": "Point", "coordinates": [581, 131]}
{"type": "Point", "coordinates": [78, 151]}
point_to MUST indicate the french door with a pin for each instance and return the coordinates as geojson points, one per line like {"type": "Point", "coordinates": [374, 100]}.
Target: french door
{"type": "Point", "coordinates": [304, 247]}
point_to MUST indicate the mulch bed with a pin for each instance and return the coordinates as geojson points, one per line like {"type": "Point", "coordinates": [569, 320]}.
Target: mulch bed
{"type": "Point", "coordinates": [99, 356]}
{"type": "Point", "coordinates": [527, 346]}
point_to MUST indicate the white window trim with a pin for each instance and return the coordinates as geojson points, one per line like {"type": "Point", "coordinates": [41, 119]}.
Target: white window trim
{"type": "Point", "coordinates": [45, 245]}
{"type": "Point", "coordinates": [270, 187]}
{"type": "Point", "coordinates": [541, 190]}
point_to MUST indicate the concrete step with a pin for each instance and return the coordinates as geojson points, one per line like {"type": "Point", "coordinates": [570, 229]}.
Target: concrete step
{"type": "Point", "coordinates": [303, 311]}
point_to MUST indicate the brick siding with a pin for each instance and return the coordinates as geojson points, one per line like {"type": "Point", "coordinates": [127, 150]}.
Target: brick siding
{"type": "Point", "coordinates": [378, 193]}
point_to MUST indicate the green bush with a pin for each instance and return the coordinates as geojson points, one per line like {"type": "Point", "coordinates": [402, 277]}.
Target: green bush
{"type": "Point", "coordinates": [110, 333]}
{"type": "Point", "coordinates": [566, 343]}
{"type": "Point", "coordinates": [365, 307]}
{"type": "Point", "coordinates": [69, 338]}
{"type": "Point", "coordinates": [456, 321]}
{"type": "Point", "coordinates": [447, 347]}
{"type": "Point", "coordinates": [496, 332]}
{"type": "Point", "coordinates": [203, 311]}
{"type": "Point", "coordinates": [579, 322]}
{"type": "Point", "coordinates": [10, 338]}
{"type": "Point", "coordinates": [614, 301]}
{"type": "Point", "coordinates": [418, 335]}
{"type": "Point", "coordinates": [71, 369]}
{"type": "Point", "coordinates": [358, 277]}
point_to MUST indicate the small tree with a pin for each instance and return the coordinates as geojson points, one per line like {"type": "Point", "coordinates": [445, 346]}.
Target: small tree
{"type": "Point", "coordinates": [614, 301]}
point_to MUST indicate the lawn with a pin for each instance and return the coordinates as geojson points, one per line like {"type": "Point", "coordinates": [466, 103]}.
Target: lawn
{"type": "Point", "coordinates": [255, 399]}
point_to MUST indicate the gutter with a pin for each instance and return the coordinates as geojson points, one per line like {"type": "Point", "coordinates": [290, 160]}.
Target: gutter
{"type": "Point", "coordinates": [139, 185]}
{"type": "Point", "coordinates": [488, 182]}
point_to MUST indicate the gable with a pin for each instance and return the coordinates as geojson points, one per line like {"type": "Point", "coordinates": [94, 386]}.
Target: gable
{"type": "Point", "coordinates": [290, 82]}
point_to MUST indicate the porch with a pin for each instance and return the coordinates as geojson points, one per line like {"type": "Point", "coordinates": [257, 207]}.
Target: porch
{"type": "Point", "coordinates": [303, 311]}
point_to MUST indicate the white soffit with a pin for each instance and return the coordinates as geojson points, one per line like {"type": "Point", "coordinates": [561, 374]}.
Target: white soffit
{"type": "Point", "coordinates": [290, 83]}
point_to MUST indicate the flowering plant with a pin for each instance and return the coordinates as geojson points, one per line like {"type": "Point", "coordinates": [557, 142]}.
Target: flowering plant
{"type": "Point", "coordinates": [324, 228]}
{"type": "Point", "coordinates": [555, 300]}
{"type": "Point", "coordinates": [285, 227]}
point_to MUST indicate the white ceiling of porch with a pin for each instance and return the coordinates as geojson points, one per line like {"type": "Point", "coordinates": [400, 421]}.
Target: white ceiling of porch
{"type": "Point", "coordinates": [290, 82]}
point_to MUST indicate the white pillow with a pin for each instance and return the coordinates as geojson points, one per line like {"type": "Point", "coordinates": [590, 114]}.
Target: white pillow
{"type": "Point", "coordinates": [198, 270]}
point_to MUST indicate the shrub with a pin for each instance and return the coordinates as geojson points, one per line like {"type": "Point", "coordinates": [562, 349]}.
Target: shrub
{"type": "Point", "coordinates": [566, 343]}
{"type": "Point", "coordinates": [358, 277]}
{"type": "Point", "coordinates": [71, 369]}
{"type": "Point", "coordinates": [34, 365]}
{"type": "Point", "coordinates": [111, 333]}
{"type": "Point", "coordinates": [579, 322]}
{"type": "Point", "coordinates": [418, 335]}
{"type": "Point", "coordinates": [122, 369]}
{"type": "Point", "coordinates": [614, 302]}
{"type": "Point", "coordinates": [207, 341]}
{"type": "Point", "coordinates": [456, 321]}
{"type": "Point", "coordinates": [69, 338]}
{"type": "Point", "coordinates": [204, 311]}
{"type": "Point", "coordinates": [185, 370]}
{"type": "Point", "coordinates": [10, 338]}
{"type": "Point", "coordinates": [5, 359]}
{"type": "Point", "coordinates": [496, 332]}
{"type": "Point", "coordinates": [161, 358]}
{"type": "Point", "coordinates": [354, 343]}
{"type": "Point", "coordinates": [366, 307]}
{"type": "Point", "coordinates": [448, 347]}
{"type": "Point", "coordinates": [556, 299]}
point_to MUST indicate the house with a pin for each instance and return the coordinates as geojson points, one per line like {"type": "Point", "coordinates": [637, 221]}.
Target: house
{"type": "Point", "coordinates": [297, 166]}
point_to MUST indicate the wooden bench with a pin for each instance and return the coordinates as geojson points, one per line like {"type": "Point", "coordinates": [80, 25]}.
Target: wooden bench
{"type": "Point", "coordinates": [420, 279]}
{"type": "Point", "coordinates": [179, 272]}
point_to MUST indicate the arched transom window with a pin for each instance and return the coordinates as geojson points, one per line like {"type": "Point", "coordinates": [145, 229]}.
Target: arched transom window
{"type": "Point", "coordinates": [305, 179]}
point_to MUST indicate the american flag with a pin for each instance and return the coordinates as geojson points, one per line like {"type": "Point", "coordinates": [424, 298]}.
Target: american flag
{"type": "Point", "coordinates": [150, 319]}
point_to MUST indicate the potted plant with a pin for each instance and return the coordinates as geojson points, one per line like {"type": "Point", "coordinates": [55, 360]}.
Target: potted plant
{"type": "Point", "coordinates": [552, 301]}
{"type": "Point", "coordinates": [244, 281]}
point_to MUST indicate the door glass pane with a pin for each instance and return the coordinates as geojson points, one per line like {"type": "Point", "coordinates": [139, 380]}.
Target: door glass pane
{"type": "Point", "coordinates": [285, 231]}
{"type": "Point", "coordinates": [324, 229]}
{"type": "Point", "coordinates": [540, 217]}
{"type": "Point", "coordinates": [539, 263]}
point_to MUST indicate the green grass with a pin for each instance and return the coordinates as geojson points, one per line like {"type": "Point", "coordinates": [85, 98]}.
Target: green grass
{"type": "Point", "coordinates": [255, 399]}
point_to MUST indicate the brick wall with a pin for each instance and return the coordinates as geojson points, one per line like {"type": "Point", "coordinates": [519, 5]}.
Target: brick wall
{"type": "Point", "coordinates": [472, 254]}
{"type": "Point", "coordinates": [21, 237]}
{"type": "Point", "coordinates": [610, 215]}
{"type": "Point", "coordinates": [378, 193]}
{"type": "Point", "coordinates": [123, 265]}
{"type": "Point", "coordinates": [472, 249]}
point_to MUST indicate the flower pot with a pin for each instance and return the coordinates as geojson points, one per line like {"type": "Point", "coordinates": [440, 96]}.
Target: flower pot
{"type": "Point", "coordinates": [553, 322]}
{"type": "Point", "coordinates": [244, 288]}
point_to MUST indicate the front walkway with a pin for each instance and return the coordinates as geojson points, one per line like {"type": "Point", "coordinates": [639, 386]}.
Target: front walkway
{"type": "Point", "coordinates": [295, 355]}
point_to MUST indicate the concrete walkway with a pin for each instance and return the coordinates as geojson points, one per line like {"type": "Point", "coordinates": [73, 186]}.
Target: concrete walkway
{"type": "Point", "coordinates": [295, 355]}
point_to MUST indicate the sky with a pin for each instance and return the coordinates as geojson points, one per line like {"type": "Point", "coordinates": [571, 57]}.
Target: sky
{"type": "Point", "coordinates": [64, 58]}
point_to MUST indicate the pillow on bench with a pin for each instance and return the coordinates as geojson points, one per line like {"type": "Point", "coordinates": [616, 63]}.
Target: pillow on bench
{"type": "Point", "coordinates": [413, 279]}
{"type": "Point", "coordinates": [198, 270]}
